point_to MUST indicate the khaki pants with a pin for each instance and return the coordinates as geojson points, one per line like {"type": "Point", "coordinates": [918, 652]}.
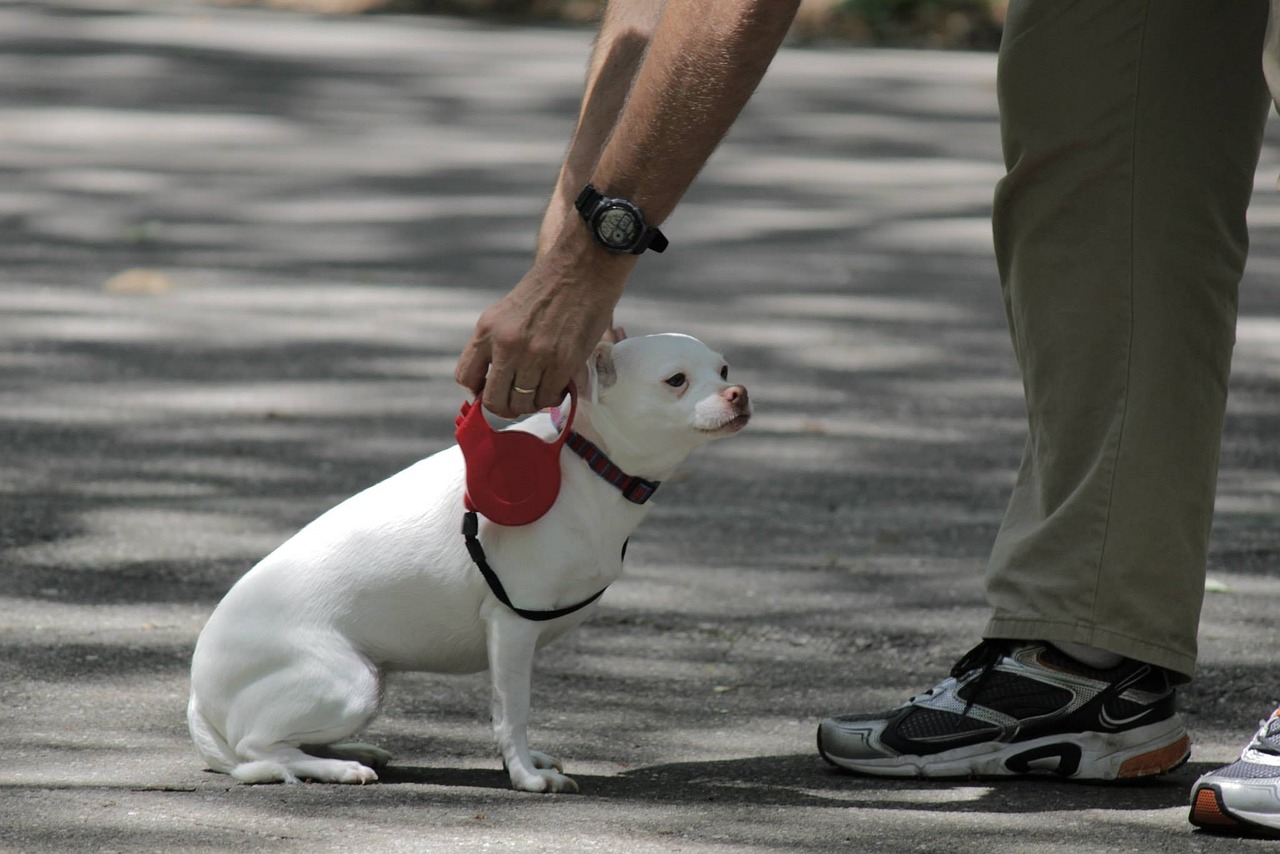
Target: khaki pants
{"type": "Point", "coordinates": [1131, 132]}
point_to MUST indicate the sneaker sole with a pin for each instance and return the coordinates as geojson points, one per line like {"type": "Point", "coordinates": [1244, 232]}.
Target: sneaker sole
{"type": "Point", "coordinates": [1130, 754]}
{"type": "Point", "coordinates": [1209, 812]}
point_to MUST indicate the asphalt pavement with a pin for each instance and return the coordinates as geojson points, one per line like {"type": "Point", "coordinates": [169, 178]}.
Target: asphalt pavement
{"type": "Point", "coordinates": [240, 252]}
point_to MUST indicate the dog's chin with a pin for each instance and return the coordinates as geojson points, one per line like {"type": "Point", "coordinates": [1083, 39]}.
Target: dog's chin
{"type": "Point", "coordinates": [728, 427]}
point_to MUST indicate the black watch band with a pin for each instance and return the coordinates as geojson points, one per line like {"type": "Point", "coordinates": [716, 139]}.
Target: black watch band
{"type": "Point", "coordinates": [617, 224]}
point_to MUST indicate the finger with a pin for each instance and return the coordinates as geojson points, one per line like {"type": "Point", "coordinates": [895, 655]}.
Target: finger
{"type": "Point", "coordinates": [553, 389]}
{"type": "Point", "coordinates": [550, 395]}
{"type": "Point", "coordinates": [525, 395]}
{"type": "Point", "coordinates": [508, 398]}
{"type": "Point", "coordinates": [497, 392]}
{"type": "Point", "coordinates": [472, 367]}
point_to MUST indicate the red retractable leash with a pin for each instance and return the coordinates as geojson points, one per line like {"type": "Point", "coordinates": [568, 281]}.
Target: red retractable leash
{"type": "Point", "coordinates": [513, 477]}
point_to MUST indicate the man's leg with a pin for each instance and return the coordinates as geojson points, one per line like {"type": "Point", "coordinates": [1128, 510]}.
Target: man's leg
{"type": "Point", "coordinates": [1131, 133]}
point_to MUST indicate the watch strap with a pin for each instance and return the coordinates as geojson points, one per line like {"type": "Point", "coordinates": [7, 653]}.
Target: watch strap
{"type": "Point", "coordinates": [652, 239]}
{"type": "Point", "coordinates": [587, 200]}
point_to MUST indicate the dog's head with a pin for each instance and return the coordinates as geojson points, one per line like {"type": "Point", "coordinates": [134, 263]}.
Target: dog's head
{"type": "Point", "coordinates": [655, 398]}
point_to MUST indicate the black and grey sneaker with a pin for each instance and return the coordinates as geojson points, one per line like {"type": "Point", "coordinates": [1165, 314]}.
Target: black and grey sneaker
{"type": "Point", "coordinates": [1011, 708]}
{"type": "Point", "coordinates": [1243, 797]}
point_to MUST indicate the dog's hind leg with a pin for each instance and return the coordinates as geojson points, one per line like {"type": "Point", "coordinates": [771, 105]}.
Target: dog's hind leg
{"type": "Point", "coordinates": [212, 746]}
{"type": "Point", "coordinates": [284, 764]}
{"type": "Point", "coordinates": [292, 724]}
{"type": "Point", "coordinates": [365, 754]}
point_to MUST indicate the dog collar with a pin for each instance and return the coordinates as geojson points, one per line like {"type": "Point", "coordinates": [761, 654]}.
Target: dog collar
{"type": "Point", "coordinates": [637, 490]}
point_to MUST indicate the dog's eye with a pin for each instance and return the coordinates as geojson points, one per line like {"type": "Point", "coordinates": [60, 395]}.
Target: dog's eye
{"type": "Point", "coordinates": [676, 380]}
{"type": "Point", "coordinates": [724, 373]}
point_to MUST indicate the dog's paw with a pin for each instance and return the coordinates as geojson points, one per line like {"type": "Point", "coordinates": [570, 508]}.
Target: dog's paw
{"type": "Point", "coordinates": [353, 773]}
{"type": "Point", "coordinates": [545, 781]}
{"type": "Point", "coordinates": [544, 762]}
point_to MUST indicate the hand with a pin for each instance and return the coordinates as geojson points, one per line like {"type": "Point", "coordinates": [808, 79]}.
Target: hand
{"type": "Point", "coordinates": [528, 345]}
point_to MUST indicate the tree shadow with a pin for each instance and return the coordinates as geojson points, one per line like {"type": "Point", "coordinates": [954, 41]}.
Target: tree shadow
{"type": "Point", "coordinates": [805, 781]}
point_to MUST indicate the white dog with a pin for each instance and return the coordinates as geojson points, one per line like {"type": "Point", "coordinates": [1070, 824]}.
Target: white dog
{"type": "Point", "coordinates": [291, 663]}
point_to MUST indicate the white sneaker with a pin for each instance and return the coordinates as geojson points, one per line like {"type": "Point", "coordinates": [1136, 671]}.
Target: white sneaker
{"type": "Point", "coordinates": [1244, 797]}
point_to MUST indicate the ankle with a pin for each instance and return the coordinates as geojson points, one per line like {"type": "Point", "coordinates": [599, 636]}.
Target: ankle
{"type": "Point", "coordinates": [1091, 656]}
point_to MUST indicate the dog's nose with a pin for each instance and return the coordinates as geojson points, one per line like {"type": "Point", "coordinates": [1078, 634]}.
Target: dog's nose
{"type": "Point", "coordinates": [736, 396]}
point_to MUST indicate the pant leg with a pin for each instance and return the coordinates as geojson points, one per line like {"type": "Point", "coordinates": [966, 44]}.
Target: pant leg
{"type": "Point", "coordinates": [1131, 132]}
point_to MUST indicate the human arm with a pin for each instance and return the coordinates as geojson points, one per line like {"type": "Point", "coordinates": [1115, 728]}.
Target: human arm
{"type": "Point", "coordinates": [650, 120]}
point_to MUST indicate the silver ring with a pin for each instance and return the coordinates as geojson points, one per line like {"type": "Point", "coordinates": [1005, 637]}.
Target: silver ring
{"type": "Point", "coordinates": [519, 390]}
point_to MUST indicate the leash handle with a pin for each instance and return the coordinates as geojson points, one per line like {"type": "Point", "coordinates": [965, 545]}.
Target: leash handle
{"type": "Point", "coordinates": [565, 427]}
{"type": "Point", "coordinates": [512, 477]}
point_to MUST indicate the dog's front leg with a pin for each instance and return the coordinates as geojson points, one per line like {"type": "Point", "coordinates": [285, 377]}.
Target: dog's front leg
{"type": "Point", "coordinates": [512, 642]}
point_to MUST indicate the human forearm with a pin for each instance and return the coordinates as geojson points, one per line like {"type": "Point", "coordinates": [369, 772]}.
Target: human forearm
{"type": "Point", "coordinates": [668, 86]}
{"type": "Point", "coordinates": [620, 47]}
{"type": "Point", "coordinates": [655, 109]}
{"type": "Point", "coordinates": [705, 61]}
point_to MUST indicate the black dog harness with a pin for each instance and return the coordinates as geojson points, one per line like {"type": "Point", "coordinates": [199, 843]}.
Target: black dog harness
{"type": "Point", "coordinates": [637, 490]}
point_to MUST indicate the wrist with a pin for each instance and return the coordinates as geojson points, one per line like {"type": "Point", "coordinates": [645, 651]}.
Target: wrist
{"type": "Point", "coordinates": [575, 255]}
{"type": "Point", "coordinates": [617, 223]}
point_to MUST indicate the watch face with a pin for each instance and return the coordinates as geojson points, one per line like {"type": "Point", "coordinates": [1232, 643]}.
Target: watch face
{"type": "Point", "coordinates": [618, 227]}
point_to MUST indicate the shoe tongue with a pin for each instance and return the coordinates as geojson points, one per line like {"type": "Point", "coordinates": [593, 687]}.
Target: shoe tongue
{"type": "Point", "coordinates": [1273, 731]}
{"type": "Point", "coordinates": [1269, 739]}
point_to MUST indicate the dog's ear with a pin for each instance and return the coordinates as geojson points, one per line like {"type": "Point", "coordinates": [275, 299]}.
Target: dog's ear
{"type": "Point", "coordinates": [598, 373]}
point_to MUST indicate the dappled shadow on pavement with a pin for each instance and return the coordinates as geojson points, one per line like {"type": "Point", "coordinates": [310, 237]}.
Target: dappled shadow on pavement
{"type": "Point", "coordinates": [328, 205]}
{"type": "Point", "coordinates": [803, 780]}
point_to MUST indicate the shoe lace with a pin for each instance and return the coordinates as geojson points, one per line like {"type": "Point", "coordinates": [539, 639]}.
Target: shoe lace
{"type": "Point", "coordinates": [984, 657]}
{"type": "Point", "coordinates": [1267, 738]}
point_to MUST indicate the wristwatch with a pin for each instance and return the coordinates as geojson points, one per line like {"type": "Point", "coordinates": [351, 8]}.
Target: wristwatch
{"type": "Point", "coordinates": [617, 224]}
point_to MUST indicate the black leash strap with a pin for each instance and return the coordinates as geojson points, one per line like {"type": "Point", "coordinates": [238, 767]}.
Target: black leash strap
{"type": "Point", "coordinates": [470, 530]}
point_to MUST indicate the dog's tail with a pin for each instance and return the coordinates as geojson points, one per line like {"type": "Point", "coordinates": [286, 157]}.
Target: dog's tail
{"type": "Point", "coordinates": [212, 746]}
